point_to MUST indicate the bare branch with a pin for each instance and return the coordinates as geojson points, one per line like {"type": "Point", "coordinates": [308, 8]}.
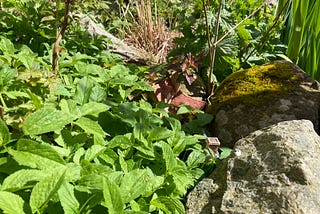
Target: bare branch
{"type": "Point", "coordinates": [56, 49]}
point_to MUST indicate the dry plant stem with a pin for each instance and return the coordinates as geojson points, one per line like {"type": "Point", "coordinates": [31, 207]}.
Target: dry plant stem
{"type": "Point", "coordinates": [237, 25]}
{"type": "Point", "coordinates": [3, 102]}
{"type": "Point", "coordinates": [213, 53]}
{"type": "Point", "coordinates": [263, 39]}
{"type": "Point", "coordinates": [209, 88]}
{"type": "Point", "coordinates": [64, 25]}
{"type": "Point", "coordinates": [207, 28]}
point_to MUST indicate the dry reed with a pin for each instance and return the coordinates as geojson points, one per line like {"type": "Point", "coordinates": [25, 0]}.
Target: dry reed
{"type": "Point", "coordinates": [149, 31]}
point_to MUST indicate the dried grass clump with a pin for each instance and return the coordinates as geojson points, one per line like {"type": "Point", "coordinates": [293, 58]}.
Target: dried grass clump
{"type": "Point", "coordinates": [149, 33]}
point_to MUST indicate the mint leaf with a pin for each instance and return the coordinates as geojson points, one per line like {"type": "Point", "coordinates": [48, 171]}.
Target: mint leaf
{"type": "Point", "coordinates": [112, 197]}
{"type": "Point", "coordinates": [43, 191]}
{"type": "Point", "coordinates": [11, 203]}
{"type": "Point", "coordinates": [45, 120]}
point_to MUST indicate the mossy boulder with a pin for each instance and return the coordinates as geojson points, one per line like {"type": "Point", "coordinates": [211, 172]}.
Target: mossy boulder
{"type": "Point", "coordinates": [251, 99]}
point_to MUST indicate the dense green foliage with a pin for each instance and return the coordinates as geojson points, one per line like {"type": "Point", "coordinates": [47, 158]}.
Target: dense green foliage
{"type": "Point", "coordinates": [254, 42]}
{"type": "Point", "coordinates": [87, 140]}
{"type": "Point", "coordinates": [75, 143]}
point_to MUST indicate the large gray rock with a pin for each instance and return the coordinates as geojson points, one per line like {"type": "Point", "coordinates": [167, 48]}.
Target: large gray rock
{"type": "Point", "coordinates": [278, 171]}
{"type": "Point", "coordinates": [251, 99]}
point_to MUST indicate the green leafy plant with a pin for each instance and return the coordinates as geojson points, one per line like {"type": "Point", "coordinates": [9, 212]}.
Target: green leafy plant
{"type": "Point", "coordinates": [84, 141]}
{"type": "Point", "coordinates": [246, 36]}
{"type": "Point", "coordinates": [302, 33]}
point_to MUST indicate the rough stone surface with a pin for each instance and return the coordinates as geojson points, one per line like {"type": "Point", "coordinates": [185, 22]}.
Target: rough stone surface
{"type": "Point", "coordinates": [277, 172]}
{"type": "Point", "coordinates": [296, 97]}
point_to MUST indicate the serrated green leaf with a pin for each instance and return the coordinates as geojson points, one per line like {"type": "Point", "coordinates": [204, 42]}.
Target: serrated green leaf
{"type": "Point", "coordinates": [4, 133]}
{"type": "Point", "coordinates": [93, 152]}
{"type": "Point", "coordinates": [68, 200]}
{"type": "Point", "coordinates": [98, 94]}
{"type": "Point", "coordinates": [195, 158]}
{"type": "Point", "coordinates": [90, 126]}
{"type": "Point", "coordinates": [60, 90]}
{"type": "Point", "coordinates": [11, 203]}
{"type": "Point", "coordinates": [45, 120]}
{"type": "Point", "coordinates": [33, 160]}
{"type": "Point", "coordinates": [133, 184]}
{"type": "Point", "coordinates": [179, 207]}
{"type": "Point", "coordinates": [164, 203]}
{"type": "Point", "coordinates": [70, 107]}
{"type": "Point", "coordinates": [168, 156]}
{"type": "Point", "coordinates": [159, 133]}
{"type": "Point", "coordinates": [43, 191]}
{"type": "Point", "coordinates": [94, 108]}
{"type": "Point", "coordinates": [119, 141]}
{"type": "Point", "coordinates": [43, 150]}
{"type": "Point", "coordinates": [174, 123]}
{"type": "Point", "coordinates": [26, 58]}
{"type": "Point", "coordinates": [145, 151]}
{"type": "Point", "coordinates": [7, 46]}
{"type": "Point", "coordinates": [112, 197]}
{"type": "Point", "coordinates": [19, 179]}
{"type": "Point", "coordinates": [182, 178]}
{"type": "Point", "coordinates": [153, 184]}
{"type": "Point", "coordinates": [93, 181]}
{"type": "Point", "coordinates": [84, 90]}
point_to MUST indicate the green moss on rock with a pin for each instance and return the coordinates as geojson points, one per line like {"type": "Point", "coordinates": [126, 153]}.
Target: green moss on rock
{"type": "Point", "coordinates": [252, 86]}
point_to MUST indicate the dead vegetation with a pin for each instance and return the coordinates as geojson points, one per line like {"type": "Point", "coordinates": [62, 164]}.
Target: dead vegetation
{"type": "Point", "coordinates": [149, 32]}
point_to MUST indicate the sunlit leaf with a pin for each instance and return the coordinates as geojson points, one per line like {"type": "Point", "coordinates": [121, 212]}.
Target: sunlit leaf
{"type": "Point", "coordinates": [43, 150]}
{"type": "Point", "coordinates": [195, 158]}
{"type": "Point", "coordinates": [94, 108]}
{"type": "Point", "coordinates": [159, 133]}
{"type": "Point", "coordinates": [33, 160]}
{"type": "Point", "coordinates": [133, 184]}
{"type": "Point", "coordinates": [68, 200]}
{"type": "Point", "coordinates": [43, 191]}
{"type": "Point", "coordinates": [112, 197]}
{"type": "Point", "coordinates": [19, 179]}
{"type": "Point", "coordinates": [11, 203]}
{"type": "Point", "coordinates": [168, 205]}
{"type": "Point", "coordinates": [46, 120]}
{"type": "Point", "coordinates": [90, 126]}
{"type": "Point", "coordinates": [84, 89]}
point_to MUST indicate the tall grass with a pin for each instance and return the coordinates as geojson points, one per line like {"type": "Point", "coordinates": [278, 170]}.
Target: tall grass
{"type": "Point", "coordinates": [302, 34]}
{"type": "Point", "coordinates": [149, 31]}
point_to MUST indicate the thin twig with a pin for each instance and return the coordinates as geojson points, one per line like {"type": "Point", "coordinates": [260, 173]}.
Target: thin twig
{"type": "Point", "coordinates": [237, 25]}
{"type": "Point", "coordinates": [56, 49]}
{"type": "Point", "coordinates": [263, 39]}
{"type": "Point", "coordinates": [214, 48]}
{"type": "Point", "coordinates": [208, 36]}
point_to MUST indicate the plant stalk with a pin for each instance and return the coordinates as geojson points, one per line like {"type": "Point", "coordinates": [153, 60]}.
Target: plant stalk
{"type": "Point", "coordinates": [3, 102]}
{"type": "Point", "coordinates": [237, 25]}
{"type": "Point", "coordinates": [56, 49]}
{"type": "Point", "coordinates": [213, 51]}
{"type": "Point", "coordinates": [209, 42]}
